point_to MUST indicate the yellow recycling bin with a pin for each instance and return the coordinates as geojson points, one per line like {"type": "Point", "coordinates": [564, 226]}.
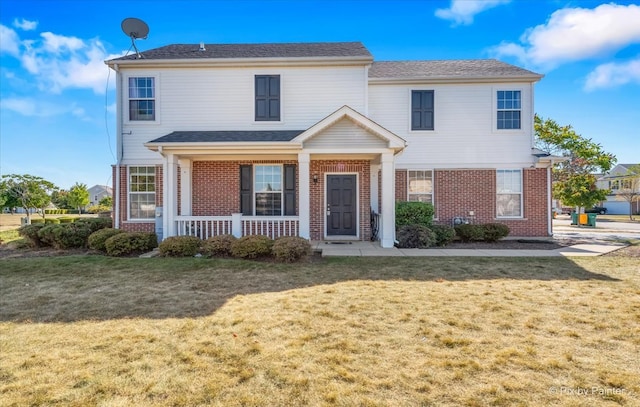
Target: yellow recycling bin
{"type": "Point", "coordinates": [584, 219]}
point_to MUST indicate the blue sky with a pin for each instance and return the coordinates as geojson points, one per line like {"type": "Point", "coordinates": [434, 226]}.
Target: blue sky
{"type": "Point", "coordinates": [57, 99]}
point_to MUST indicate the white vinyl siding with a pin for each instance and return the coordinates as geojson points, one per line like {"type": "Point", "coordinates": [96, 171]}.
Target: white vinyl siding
{"type": "Point", "coordinates": [509, 193]}
{"type": "Point", "coordinates": [465, 132]}
{"type": "Point", "coordinates": [345, 134]}
{"type": "Point", "coordinates": [223, 99]}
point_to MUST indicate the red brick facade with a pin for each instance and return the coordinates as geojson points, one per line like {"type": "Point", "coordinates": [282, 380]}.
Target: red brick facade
{"type": "Point", "coordinates": [460, 192]}
{"type": "Point", "coordinates": [216, 186]}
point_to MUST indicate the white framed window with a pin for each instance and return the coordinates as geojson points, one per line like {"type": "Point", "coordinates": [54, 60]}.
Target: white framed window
{"type": "Point", "coordinates": [268, 190]}
{"type": "Point", "coordinates": [509, 110]}
{"type": "Point", "coordinates": [142, 99]}
{"type": "Point", "coordinates": [142, 192]}
{"type": "Point", "coordinates": [509, 193]}
{"type": "Point", "coordinates": [420, 185]}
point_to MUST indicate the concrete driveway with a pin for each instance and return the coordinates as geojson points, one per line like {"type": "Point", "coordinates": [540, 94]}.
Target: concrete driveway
{"type": "Point", "coordinates": [604, 230]}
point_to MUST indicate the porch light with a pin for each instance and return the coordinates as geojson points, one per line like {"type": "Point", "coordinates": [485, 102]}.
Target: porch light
{"type": "Point", "coordinates": [315, 178]}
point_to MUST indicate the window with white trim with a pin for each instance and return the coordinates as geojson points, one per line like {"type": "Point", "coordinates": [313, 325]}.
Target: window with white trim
{"type": "Point", "coordinates": [142, 102]}
{"type": "Point", "coordinates": [268, 190]}
{"type": "Point", "coordinates": [142, 192]}
{"type": "Point", "coordinates": [420, 185]}
{"type": "Point", "coordinates": [509, 193]}
{"type": "Point", "coordinates": [509, 109]}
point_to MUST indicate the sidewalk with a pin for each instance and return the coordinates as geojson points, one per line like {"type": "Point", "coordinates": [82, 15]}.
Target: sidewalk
{"type": "Point", "coordinates": [362, 248]}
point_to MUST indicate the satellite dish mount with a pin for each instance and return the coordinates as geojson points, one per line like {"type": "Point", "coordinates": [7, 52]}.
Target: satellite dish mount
{"type": "Point", "coordinates": [135, 28]}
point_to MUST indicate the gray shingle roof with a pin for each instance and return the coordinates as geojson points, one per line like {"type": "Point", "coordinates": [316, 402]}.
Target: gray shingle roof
{"type": "Point", "coordinates": [469, 68]}
{"type": "Point", "coordinates": [281, 50]}
{"type": "Point", "coordinates": [227, 136]}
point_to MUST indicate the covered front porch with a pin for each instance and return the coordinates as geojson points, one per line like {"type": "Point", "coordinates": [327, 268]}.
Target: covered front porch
{"type": "Point", "coordinates": [323, 183]}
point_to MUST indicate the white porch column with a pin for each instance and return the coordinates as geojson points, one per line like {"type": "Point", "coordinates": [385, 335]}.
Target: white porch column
{"type": "Point", "coordinates": [303, 194]}
{"type": "Point", "coordinates": [375, 205]}
{"type": "Point", "coordinates": [388, 232]}
{"type": "Point", "coordinates": [169, 194]}
{"type": "Point", "coordinates": [185, 186]}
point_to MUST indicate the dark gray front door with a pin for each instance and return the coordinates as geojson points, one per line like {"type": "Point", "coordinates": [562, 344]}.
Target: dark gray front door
{"type": "Point", "coordinates": [341, 205]}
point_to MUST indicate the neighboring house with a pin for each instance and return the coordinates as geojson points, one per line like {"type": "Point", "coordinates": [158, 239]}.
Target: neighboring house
{"type": "Point", "coordinates": [620, 184]}
{"type": "Point", "coordinates": [99, 192]}
{"type": "Point", "coordinates": [316, 139]}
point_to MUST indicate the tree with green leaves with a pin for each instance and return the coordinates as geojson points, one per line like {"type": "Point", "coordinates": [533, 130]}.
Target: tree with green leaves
{"type": "Point", "coordinates": [78, 196]}
{"type": "Point", "coordinates": [60, 199]}
{"type": "Point", "coordinates": [106, 201]}
{"type": "Point", "coordinates": [574, 180]}
{"type": "Point", "coordinates": [28, 191]}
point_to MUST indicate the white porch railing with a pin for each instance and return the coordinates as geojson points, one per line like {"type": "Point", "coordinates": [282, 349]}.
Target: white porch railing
{"type": "Point", "coordinates": [237, 225]}
{"type": "Point", "coordinates": [203, 226]}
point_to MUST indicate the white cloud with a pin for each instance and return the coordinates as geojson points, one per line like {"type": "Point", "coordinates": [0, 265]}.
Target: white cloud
{"type": "Point", "coordinates": [9, 41]}
{"type": "Point", "coordinates": [32, 107]}
{"type": "Point", "coordinates": [461, 12]}
{"type": "Point", "coordinates": [574, 34]}
{"type": "Point", "coordinates": [59, 62]}
{"type": "Point", "coordinates": [614, 74]}
{"type": "Point", "coordinates": [25, 25]}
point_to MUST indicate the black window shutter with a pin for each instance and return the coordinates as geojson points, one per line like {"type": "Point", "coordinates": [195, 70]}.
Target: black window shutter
{"type": "Point", "coordinates": [246, 190]}
{"type": "Point", "coordinates": [267, 98]}
{"type": "Point", "coordinates": [289, 190]}
{"type": "Point", "coordinates": [422, 110]}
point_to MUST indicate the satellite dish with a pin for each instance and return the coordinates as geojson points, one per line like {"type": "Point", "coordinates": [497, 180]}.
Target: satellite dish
{"type": "Point", "coordinates": [135, 28]}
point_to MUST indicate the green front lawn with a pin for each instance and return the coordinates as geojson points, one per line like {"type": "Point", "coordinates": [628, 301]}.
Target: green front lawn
{"type": "Point", "coordinates": [92, 330]}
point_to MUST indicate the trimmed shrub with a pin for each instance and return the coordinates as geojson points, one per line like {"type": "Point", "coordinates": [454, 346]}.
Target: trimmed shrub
{"type": "Point", "coordinates": [50, 221]}
{"type": "Point", "coordinates": [95, 223]}
{"type": "Point", "coordinates": [180, 246]}
{"type": "Point", "coordinates": [98, 238]}
{"type": "Point", "coordinates": [218, 246]}
{"type": "Point", "coordinates": [413, 213]}
{"type": "Point", "coordinates": [444, 234]}
{"type": "Point", "coordinates": [98, 209]}
{"type": "Point", "coordinates": [37, 220]}
{"type": "Point", "coordinates": [130, 243]}
{"type": "Point", "coordinates": [65, 236]}
{"type": "Point", "coordinates": [252, 247]}
{"type": "Point", "coordinates": [495, 231]}
{"type": "Point", "coordinates": [30, 232]}
{"type": "Point", "coordinates": [470, 233]}
{"type": "Point", "coordinates": [290, 248]}
{"type": "Point", "coordinates": [67, 220]}
{"type": "Point", "coordinates": [415, 237]}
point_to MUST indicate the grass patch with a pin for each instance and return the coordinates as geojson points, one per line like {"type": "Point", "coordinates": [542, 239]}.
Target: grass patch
{"type": "Point", "coordinates": [92, 330]}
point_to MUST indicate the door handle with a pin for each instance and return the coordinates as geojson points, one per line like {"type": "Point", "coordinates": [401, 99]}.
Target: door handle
{"type": "Point", "coordinates": [328, 209]}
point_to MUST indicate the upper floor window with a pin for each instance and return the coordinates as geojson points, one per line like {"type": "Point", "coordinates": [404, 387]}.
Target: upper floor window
{"type": "Point", "coordinates": [509, 193]}
{"type": "Point", "coordinates": [422, 110]}
{"type": "Point", "coordinates": [420, 186]}
{"type": "Point", "coordinates": [267, 98]}
{"type": "Point", "coordinates": [509, 105]}
{"type": "Point", "coordinates": [142, 103]}
{"type": "Point", "coordinates": [142, 192]}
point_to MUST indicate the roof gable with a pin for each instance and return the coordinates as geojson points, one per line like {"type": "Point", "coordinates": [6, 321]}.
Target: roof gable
{"type": "Point", "coordinates": [390, 139]}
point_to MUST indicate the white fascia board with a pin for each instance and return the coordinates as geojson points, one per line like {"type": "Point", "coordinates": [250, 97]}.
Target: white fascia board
{"type": "Point", "coordinates": [200, 148]}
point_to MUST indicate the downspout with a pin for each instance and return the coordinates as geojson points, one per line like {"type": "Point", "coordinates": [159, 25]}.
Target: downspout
{"type": "Point", "coordinates": [550, 202]}
{"type": "Point", "coordinates": [119, 142]}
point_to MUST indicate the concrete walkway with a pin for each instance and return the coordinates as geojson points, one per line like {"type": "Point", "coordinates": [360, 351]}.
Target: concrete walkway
{"type": "Point", "coordinates": [361, 248]}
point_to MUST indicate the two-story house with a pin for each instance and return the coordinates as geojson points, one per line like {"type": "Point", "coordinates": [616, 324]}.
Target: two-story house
{"type": "Point", "coordinates": [623, 183]}
{"type": "Point", "coordinates": [316, 139]}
